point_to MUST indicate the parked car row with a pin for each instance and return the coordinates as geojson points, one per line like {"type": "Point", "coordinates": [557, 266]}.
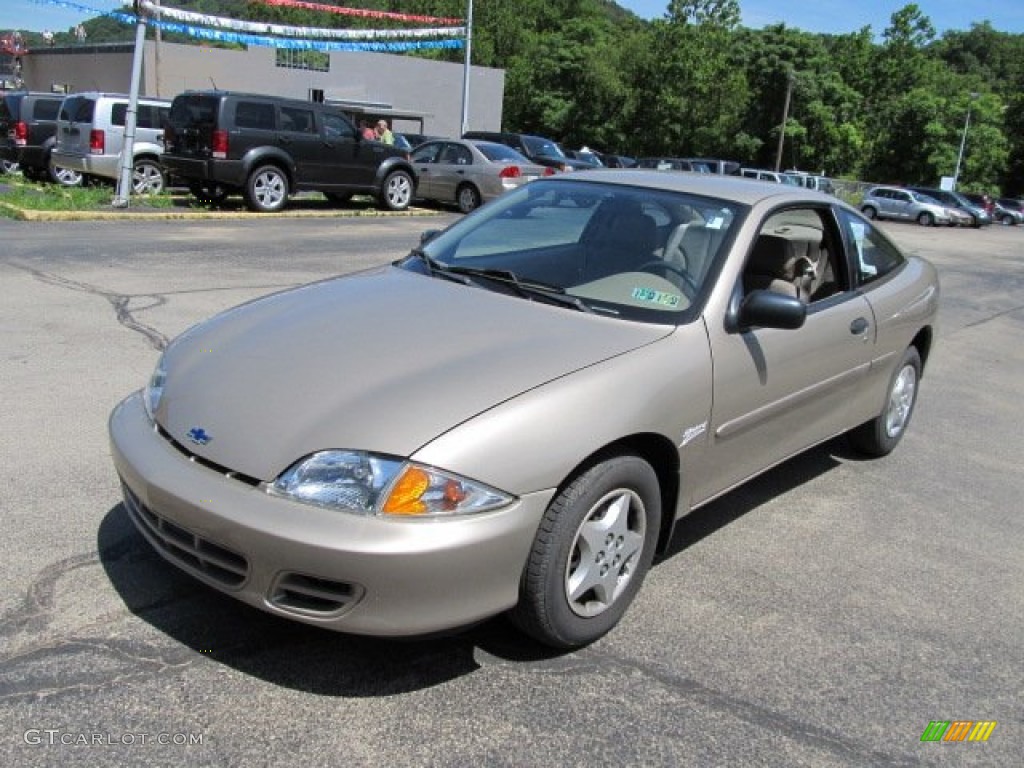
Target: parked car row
{"type": "Point", "coordinates": [1005, 211]}
{"type": "Point", "coordinates": [928, 206]}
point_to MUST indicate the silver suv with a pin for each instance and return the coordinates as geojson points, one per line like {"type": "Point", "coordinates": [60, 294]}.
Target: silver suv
{"type": "Point", "coordinates": [897, 203]}
{"type": "Point", "coordinates": [90, 136]}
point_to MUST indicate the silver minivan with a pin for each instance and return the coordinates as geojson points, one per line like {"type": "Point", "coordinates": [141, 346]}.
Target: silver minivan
{"type": "Point", "coordinates": [90, 136]}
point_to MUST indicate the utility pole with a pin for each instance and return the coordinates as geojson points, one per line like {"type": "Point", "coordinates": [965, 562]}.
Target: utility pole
{"type": "Point", "coordinates": [466, 68]}
{"type": "Point", "coordinates": [124, 180]}
{"type": "Point", "coordinates": [790, 77]}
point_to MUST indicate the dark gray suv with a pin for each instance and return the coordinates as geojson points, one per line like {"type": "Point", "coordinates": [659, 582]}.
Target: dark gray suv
{"type": "Point", "coordinates": [28, 127]}
{"type": "Point", "coordinates": [267, 147]}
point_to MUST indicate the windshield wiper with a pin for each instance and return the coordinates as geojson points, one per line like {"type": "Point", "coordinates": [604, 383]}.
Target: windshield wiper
{"type": "Point", "coordinates": [436, 268]}
{"type": "Point", "coordinates": [526, 287]}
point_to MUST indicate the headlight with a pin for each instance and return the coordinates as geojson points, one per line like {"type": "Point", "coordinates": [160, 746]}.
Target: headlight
{"type": "Point", "coordinates": [364, 483]}
{"type": "Point", "coordinates": [155, 389]}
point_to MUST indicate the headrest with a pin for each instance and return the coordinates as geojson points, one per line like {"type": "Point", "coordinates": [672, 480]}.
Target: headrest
{"type": "Point", "coordinates": [774, 256]}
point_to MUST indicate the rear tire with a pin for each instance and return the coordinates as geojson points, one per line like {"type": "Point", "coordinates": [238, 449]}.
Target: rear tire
{"type": "Point", "coordinates": [591, 552]}
{"type": "Point", "coordinates": [869, 211]}
{"type": "Point", "coordinates": [468, 198]}
{"type": "Point", "coordinates": [266, 190]}
{"type": "Point", "coordinates": [147, 177]}
{"type": "Point", "coordinates": [881, 435]}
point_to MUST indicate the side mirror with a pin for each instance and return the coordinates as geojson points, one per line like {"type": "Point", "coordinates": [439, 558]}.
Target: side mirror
{"type": "Point", "coordinates": [768, 309]}
{"type": "Point", "coordinates": [428, 235]}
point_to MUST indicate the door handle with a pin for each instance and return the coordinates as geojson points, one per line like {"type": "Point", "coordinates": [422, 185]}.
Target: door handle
{"type": "Point", "coordinates": [858, 326]}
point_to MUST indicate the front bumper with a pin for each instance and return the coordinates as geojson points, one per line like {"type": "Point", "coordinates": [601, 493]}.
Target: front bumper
{"type": "Point", "coordinates": [345, 572]}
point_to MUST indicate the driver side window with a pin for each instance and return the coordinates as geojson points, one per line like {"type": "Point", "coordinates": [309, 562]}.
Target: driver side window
{"type": "Point", "coordinates": [798, 252]}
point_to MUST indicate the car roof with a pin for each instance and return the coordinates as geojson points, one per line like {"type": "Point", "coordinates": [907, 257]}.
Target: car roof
{"type": "Point", "coordinates": [735, 188]}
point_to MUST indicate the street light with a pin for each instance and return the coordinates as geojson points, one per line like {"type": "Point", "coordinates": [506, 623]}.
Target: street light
{"type": "Point", "coordinates": [963, 141]}
{"type": "Point", "coordinates": [790, 77]}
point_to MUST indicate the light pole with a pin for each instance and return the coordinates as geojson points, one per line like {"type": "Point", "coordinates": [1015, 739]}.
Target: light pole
{"type": "Point", "coordinates": [963, 142]}
{"type": "Point", "coordinates": [790, 77]}
{"type": "Point", "coordinates": [467, 68]}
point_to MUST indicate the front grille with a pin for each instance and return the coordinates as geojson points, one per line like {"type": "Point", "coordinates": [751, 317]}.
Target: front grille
{"type": "Point", "coordinates": [312, 596]}
{"type": "Point", "coordinates": [191, 552]}
{"type": "Point", "coordinates": [195, 458]}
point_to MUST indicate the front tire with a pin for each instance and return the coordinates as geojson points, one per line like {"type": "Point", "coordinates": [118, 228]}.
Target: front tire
{"type": "Point", "coordinates": [396, 193]}
{"type": "Point", "coordinates": [881, 435]}
{"type": "Point", "coordinates": [591, 552]}
{"type": "Point", "coordinates": [266, 190]}
{"type": "Point", "coordinates": [64, 176]}
{"type": "Point", "coordinates": [925, 219]}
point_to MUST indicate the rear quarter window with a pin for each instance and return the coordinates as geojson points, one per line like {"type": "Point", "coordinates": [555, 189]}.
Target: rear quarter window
{"type": "Point", "coordinates": [46, 109]}
{"type": "Point", "coordinates": [255, 114]}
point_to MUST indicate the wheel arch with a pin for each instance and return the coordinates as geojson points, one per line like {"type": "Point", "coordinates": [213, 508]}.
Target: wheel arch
{"type": "Point", "coordinates": [261, 156]}
{"type": "Point", "coordinates": [658, 451]}
{"type": "Point", "coordinates": [389, 165]}
{"type": "Point", "coordinates": [923, 342]}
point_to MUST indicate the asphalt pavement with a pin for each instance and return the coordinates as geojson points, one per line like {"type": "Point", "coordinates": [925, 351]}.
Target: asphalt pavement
{"type": "Point", "coordinates": [822, 615]}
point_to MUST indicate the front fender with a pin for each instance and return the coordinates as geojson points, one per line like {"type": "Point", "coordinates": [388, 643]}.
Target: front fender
{"type": "Point", "coordinates": [390, 164]}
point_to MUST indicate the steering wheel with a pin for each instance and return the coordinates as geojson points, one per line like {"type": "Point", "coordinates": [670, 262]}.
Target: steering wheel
{"type": "Point", "coordinates": [687, 285]}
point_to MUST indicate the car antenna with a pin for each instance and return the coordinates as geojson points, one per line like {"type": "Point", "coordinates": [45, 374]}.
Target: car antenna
{"type": "Point", "coordinates": [213, 84]}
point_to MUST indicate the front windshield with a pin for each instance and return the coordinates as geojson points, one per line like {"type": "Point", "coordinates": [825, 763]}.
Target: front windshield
{"type": "Point", "coordinates": [632, 252]}
{"type": "Point", "coordinates": [542, 147]}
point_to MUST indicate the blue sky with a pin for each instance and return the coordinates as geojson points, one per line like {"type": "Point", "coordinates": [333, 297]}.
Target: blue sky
{"type": "Point", "coordinates": [840, 16]}
{"type": "Point", "coordinates": [834, 16]}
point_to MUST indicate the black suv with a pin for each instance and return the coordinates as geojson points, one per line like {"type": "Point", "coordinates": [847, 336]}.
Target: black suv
{"type": "Point", "coordinates": [28, 128]}
{"type": "Point", "coordinates": [267, 147]}
{"type": "Point", "coordinates": [537, 149]}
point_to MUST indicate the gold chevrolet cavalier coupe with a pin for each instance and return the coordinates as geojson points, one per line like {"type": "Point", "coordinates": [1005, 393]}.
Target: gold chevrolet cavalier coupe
{"type": "Point", "coordinates": [513, 416]}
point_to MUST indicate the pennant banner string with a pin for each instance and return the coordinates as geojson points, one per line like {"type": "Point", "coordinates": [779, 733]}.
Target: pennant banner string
{"type": "Point", "coordinates": [359, 12]}
{"type": "Point", "coordinates": [378, 39]}
{"type": "Point", "coordinates": [216, 35]}
{"type": "Point", "coordinates": [258, 28]}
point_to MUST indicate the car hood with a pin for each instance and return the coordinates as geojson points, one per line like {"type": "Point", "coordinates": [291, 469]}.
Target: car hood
{"type": "Point", "coordinates": [384, 360]}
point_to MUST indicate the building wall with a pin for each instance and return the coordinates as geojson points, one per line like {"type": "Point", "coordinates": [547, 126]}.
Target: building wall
{"type": "Point", "coordinates": [410, 85]}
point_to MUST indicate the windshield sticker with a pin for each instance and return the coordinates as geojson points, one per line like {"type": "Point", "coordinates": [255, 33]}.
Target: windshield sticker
{"type": "Point", "coordinates": [651, 296]}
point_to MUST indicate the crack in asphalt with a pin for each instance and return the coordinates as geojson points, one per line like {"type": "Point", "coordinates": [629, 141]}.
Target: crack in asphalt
{"type": "Point", "coordinates": [119, 301]}
{"type": "Point", "coordinates": [990, 318]}
{"type": "Point", "coordinates": [124, 306]}
{"type": "Point", "coordinates": [586, 661]}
